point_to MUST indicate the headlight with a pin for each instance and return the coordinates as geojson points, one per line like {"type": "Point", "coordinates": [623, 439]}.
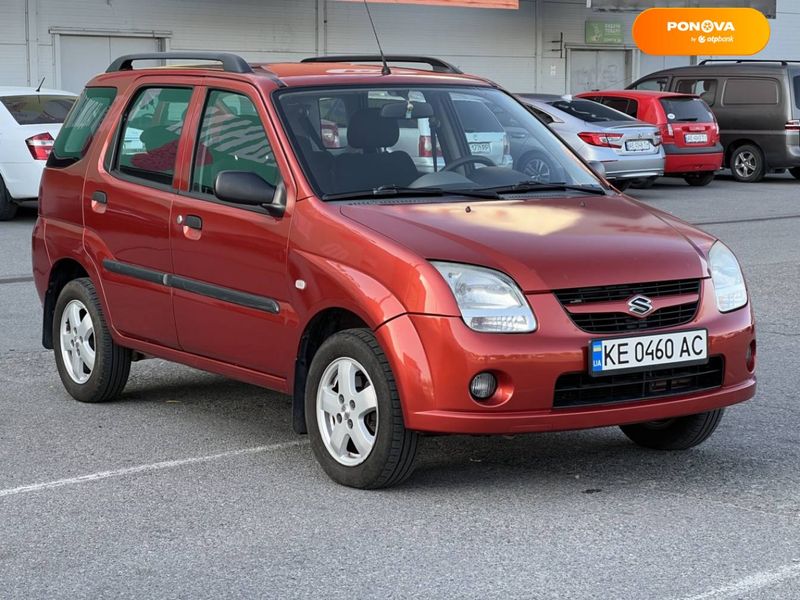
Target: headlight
{"type": "Point", "coordinates": [489, 301]}
{"type": "Point", "coordinates": [727, 277]}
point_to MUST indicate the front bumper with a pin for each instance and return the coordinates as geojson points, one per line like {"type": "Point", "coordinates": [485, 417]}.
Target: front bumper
{"type": "Point", "coordinates": [434, 358]}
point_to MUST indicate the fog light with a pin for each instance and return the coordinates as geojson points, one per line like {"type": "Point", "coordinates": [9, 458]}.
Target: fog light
{"type": "Point", "coordinates": [483, 386]}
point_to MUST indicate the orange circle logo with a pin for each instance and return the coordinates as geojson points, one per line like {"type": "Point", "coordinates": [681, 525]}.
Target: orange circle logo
{"type": "Point", "coordinates": [696, 31]}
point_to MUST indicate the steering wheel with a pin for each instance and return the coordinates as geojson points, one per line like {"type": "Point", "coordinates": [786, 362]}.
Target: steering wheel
{"type": "Point", "coordinates": [465, 160]}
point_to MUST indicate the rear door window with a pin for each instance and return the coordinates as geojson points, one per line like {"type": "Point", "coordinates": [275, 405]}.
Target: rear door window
{"type": "Point", "coordinates": [751, 91]}
{"type": "Point", "coordinates": [683, 110]}
{"type": "Point", "coordinates": [38, 109]}
{"type": "Point", "coordinates": [75, 137]}
{"type": "Point", "coordinates": [705, 88]}
{"type": "Point", "coordinates": [149, 142]}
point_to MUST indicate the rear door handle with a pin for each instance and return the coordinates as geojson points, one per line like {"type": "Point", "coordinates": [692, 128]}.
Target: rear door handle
{"type": "Point", "coordinates": [100, 197]}
{"type": "Point", "coordinates": [193, 222]}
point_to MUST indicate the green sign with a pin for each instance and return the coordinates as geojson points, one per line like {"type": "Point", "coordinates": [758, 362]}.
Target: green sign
{"type": "Point", "coordinates": [604, 32]}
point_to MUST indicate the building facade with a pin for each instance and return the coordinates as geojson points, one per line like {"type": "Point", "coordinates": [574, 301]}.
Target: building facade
{"type": "Point", "coordinates": [551, 46]}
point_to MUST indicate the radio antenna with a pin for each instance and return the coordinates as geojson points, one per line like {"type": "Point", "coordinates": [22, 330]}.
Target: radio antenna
{"type": "Point", "coordinates": [385, 70]}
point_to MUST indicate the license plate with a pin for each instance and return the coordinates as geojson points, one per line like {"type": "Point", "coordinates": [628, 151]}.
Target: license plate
{"type": "Point", "coordinates": [483, 148]}
{"type": "Point", "coordinates": [643, 352]}
{"type": "Point", "coordinates": [638, 145]}
{"type": "Point", "coordinates": [696, 138]}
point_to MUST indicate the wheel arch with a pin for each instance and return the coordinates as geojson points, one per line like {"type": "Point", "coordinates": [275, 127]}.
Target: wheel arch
{"type": "Point", "coordinates": [735, 145]}
{"type": "Point", "coordinates": [61, 273]}
{"type": "Point", "coordinates": [320, 327]}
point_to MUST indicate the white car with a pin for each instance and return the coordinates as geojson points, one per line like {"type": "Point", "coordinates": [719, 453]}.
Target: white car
{"type": "Point", "coordinates": [30, 119]}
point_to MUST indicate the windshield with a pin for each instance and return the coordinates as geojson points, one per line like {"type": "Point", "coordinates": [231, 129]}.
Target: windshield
{"type": "Point", "coordinates": [589, 111]}
{"type": "Point", "coordinates": [358, 139]}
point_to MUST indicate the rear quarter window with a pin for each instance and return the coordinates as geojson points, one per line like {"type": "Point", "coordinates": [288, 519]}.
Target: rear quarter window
{"type": "Point", "coordinates": [38, 109]}
{"type": "Point", "coordinates": [82, 122]}
{"type": "Point", "coordinates": [686, 110]}
{"type": "Point", "coordinates": [796, 89]}
{"type": "Point", "coordinates": [762, 92]}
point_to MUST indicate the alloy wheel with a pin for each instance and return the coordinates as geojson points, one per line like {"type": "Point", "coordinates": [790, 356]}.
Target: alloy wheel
{"type": "Point", "coordinates": [745, 164]}
{"type": "Point", "coordinates": [78, 350]}
{"type": "Point", "coordinates": [537, 169]}
{"type": "Point", "coordinates": [347, 411]}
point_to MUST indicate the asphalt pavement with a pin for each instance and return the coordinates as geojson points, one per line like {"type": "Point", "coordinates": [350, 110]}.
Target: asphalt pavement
{"type": "Point", "coordinates": [194, 486]}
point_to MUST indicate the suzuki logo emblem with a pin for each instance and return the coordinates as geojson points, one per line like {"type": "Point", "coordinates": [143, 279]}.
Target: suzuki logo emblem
{"type": "Point", "coordinates": [640, 305]}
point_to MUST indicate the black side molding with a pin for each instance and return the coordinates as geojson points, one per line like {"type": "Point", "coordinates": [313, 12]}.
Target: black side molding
{"type": "Point", "coordinates": [194, 286]}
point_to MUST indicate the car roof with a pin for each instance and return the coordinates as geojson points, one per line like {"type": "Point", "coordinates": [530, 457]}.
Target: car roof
{"type": "Point", "coordinates": [638, 94]}
{"type": "Point", "coordinates": [26, 91]}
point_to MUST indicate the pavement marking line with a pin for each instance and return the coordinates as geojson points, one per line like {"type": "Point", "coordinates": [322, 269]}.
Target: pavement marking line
{"type": "Point", "coordinates": [744, 587]}
{"type": "Point", "coordinates": [20, 279]}
{"type": "Point", "coordinates": [159, 466]}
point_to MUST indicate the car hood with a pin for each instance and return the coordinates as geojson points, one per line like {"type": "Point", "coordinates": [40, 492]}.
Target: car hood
{"type": "Point", "coordinates": [545, 243]}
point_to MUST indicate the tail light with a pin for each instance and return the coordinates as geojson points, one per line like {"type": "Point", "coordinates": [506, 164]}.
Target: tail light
{"type": "Point", "coordinates": [426, 147]}
{"type": "Point", "coordinates": [607, 140]}
{"type": "Point", "coordinates": [793, 125]}
{"type": "Point", "coordinates": [40, 146]}
{"type": "Point", "coordinates": [667, 132]}
{"type": "Point", "coordinates": [506, 145]}
{"type": "Point", "coordinates": [330, 135]}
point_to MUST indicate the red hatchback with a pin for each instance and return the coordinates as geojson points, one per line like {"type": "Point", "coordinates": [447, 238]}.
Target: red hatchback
{"type": "Point", "coordinates": [202, 215]}
{"type": "Point", "coordinates": [688, 127]}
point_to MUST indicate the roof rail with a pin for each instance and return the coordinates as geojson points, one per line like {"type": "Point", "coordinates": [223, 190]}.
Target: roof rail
{"type": "Point", "coordinates": [231, 63]}
{"type": "Point", "coordinates": [437, 64]}
{"type": "Point", "coordinates": [747, 60]}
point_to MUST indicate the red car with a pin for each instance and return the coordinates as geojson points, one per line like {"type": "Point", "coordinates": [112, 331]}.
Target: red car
{"type": "Point", "coordinates": [197, 214]}
{"type": "Point", "coordinates": [688, 127]}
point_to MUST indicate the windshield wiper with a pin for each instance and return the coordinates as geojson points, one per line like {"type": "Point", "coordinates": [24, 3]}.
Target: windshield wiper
{"type": "Point", "coordinates": [386, 191]}
{"type": "Point", "coordinates": [538, 186]}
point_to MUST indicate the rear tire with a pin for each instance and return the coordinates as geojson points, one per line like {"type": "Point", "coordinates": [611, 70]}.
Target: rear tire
{"type": "Point", "coordinates": [795, 171]}
{"type": "Point", "coordinates": [353, 413]}
{"type": "Point", "coordinates": [699, 179]}
{"type": "Point", "coordinates": [747, 164]}
{"type": "Point", "coordinates": [92, 367]}
{"type": "Point", "coordinates": [538, 167]}
{"type": "Point", "coordinates": [645, 183]}
{"type": "Point", "coordinates": [622, 184]}
{"type": "Point", "coordinates": [680, 433]}
{"type": "Point", "coordinates": [8, 208]}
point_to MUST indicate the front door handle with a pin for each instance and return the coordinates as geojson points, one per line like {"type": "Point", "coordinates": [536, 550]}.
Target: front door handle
{"type": "Point", "coordinates": [193, 222]}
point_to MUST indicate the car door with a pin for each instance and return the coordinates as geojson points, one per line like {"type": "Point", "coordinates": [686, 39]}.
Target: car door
{"type": "Point", "coordinates": [127, 203]}
{"type": "Point", "coordinates": [230, 261]}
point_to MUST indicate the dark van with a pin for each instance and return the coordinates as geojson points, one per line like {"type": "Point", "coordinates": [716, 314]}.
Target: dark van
{"type": "Point", "coordinates": [757, 105]}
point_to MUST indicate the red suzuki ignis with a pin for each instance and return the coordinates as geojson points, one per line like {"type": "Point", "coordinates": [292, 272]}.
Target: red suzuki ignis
{"type": "Point", "coordinates": [285, 225]}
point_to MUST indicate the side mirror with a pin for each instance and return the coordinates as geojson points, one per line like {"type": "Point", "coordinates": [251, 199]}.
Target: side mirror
{"type": "Point", "coordinates": [598, 168]}
{"type": "Point", "coordinates": [249, 189]}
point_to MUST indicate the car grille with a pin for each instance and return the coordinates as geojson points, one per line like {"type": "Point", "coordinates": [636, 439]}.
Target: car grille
{"type": "Point", "coordinates": [581, 389]}
{"type": "Point", "coordinates": [616, 322]}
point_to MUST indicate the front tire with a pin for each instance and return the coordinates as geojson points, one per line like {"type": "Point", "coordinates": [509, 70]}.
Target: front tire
{"type": "Point", "coordinates": [699, 179]}
{"type": "Point", "coordinates": [622, 184]}
{"type": "Point", "coordinates": [353, 413]}
{"type": "Point", "coordinates": [747, 164]}
{"type": "Point", "coordinates": [680, 433]}
{"type": "Point", "coordinates": [92, 367]}
{"type": "Point", "coordinates": [8, 208]}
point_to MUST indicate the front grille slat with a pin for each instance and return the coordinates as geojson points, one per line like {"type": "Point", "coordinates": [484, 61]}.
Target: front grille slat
{"type": "Point", "coordinates": [581, 389]}
{"type": "Point", "coordinates": [615, 322]}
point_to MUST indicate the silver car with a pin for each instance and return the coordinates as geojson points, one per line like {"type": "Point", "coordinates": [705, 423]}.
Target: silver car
{"type": "Point", "coordinates": [629, 149]}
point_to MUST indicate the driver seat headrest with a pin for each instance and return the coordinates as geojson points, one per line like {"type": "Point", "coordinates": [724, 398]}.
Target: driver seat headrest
{"type": "Point", "coordinates": [368, 130]}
